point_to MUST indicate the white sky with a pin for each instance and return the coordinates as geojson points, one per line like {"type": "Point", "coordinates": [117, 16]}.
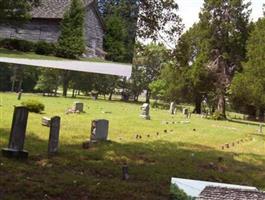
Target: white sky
{"type": "Point", "coordinates": [189, 10]}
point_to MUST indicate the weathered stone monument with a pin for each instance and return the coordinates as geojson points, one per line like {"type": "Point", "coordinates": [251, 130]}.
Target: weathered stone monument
{"type": "Point", "coordinates": [18, 133]}
{"type": "Point", "coordinates": [19, 95]}
{"type": "Point", "coordinates": [260, 128]}
{"type": "Point", "coordinates": [172, 109]}
{"type": "Point", "coordinates": [53, 145]}
{"type": "Point", "coordinates": [145, 109]}
{"type": "Point", "coordinates": [78, 107]}
{"type": "Point", "coordinates": [99, 130]}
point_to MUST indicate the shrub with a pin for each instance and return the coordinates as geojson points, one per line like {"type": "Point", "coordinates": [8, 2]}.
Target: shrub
{"type": "Point", "coordinates": [16, 44]}
{"type": "Point", "coordinates": [217, 116]}
{"type": "Point", "coordinates": [34, 106]}
{"type": "Point", "coordinates": [45, 48]}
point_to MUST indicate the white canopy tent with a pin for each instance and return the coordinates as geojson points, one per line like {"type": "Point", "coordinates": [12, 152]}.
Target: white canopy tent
{"type": "Point", "coordinates": [109, 68]}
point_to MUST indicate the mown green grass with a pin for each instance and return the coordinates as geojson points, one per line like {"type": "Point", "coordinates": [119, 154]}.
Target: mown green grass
{"type": "Point", "coordinates": [76, 173]}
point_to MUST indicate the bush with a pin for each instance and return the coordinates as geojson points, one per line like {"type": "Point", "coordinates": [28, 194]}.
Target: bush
{"type": "Point", "coordinates": [34, 106]}
{"type": "Point", "coordinates": [16, 44]}
{"type": "Point", "coordinates": [45, 48]}
{"type": "Point", "coordinates": [217, 116]}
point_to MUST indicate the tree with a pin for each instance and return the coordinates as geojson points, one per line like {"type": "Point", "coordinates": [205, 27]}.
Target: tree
{"type": "Point", "coordinates": [247, 89]}
{"type": "Point", "coordinates": [48, 81]}
{"type": "Point", "coordinates": [150, 60]}
{"type": "Point", "coordinates": [16, 10]}
{"type": "Point", "coordinates": [71, 43]}
{"type": "Point", "coordinates": [226, 22]}
{"type": "Point", "coordinates": [186, 76]}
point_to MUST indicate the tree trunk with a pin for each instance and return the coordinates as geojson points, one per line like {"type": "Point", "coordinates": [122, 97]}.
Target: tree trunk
{"type": "Point", "coordinates": [261, 114]}
{"type": "Point", "coordinates": [65, 82]}
{"type": "Point", "coordinates": [221, 104]}
{"type": "Point", "coordinates": [20, 85]}
{"type": "Point", "coordinates": [110, 96]}
{"type": "Point", "coordinates": [73, 93]}
{"type": "Point", "coordinates": [198, 102]}
{"type": "Point", "coordinates": [252, 112]}
{"type": "Point", "coordinates": [148, 94]}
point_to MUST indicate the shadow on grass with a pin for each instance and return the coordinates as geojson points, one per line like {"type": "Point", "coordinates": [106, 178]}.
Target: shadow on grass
{"type": "Point", "coordinates": [95, 173]}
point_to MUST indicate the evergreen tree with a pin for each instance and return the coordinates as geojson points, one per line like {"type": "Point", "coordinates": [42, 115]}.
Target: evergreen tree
{"type": "Point", "coordinates": [247, 89]}
{"type": "Point", "coordinates": [226, 22]}
{"type": "Point", "coordinates": [71, 43]}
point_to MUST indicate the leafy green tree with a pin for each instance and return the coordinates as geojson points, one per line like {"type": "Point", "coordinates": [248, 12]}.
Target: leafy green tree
{"type": "Point", "coordinates": [150, 59]}
{"type": "Point", "coordinates": [114, 40]}
{"type": "Point", "coordinates": [48, 82]}
{"type": "Point", "coordinates": [247, 89]}
{"type": "Point", "coordinates": [178, 194]}
{"type": "Point", "coordinates": [16, 10]}
{"type": "Point", "coordinates": [71, 43]}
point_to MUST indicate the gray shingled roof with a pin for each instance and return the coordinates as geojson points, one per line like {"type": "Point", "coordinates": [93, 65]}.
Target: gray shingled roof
{"type": "Point", "coordinates": [221, 193]}
{"type": "Point", "coordinates": [53, 9]}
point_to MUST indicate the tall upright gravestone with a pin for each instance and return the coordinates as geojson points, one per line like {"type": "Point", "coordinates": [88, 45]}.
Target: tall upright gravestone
{"type": "Point", "coordinates": [172, 109]}
{"type": "Point", "coordinates": [145, 111]}
{"type": "Point", "coordinates": [99, 130]}
{"type": "Point", "coordinates": [18, 133]}
{"type": "Point", "coordinates": [53, 145]}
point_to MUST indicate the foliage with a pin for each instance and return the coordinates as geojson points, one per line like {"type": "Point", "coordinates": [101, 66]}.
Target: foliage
{"type": "Point", "coordinates": [5, 76]}
{"type": "Point", "coordinates": [48, 81]}
{"type": "Point", "coordinates": [16, 44]}
{"type": "Point", "coordinates": [71, 43]}
{"type": "Point", "coordinates": [218, 115]}
{"type": "Point", "coordinates": [178, 194]}
{"type": "Point", "coordinates": [34, 106]}
{"type": "Point", "coordinates": [158, 88]}
{"type": "Point", "coordinates": [248, 87]}
{"type": "Point", "coordinates": [45, 48]}
{"type": "Point", "coordinates": [114, 40]}
{"type": "Point", "coordinates": [16, 10]}
{"type": "Point", "coordinates": [227, 25]}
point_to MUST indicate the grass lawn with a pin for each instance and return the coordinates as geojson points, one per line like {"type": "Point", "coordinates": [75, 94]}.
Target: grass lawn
{"type": "Point", "coordinates": [187, 151]}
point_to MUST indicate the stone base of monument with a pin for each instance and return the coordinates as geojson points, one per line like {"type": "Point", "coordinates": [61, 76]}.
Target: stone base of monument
{"type": "Point", "coordinates": [147, 117]}
{"type": "Point", "coordinates": [12, 153]}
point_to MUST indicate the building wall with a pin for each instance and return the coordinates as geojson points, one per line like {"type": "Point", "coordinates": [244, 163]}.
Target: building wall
{"type": "Point", "coordinates": [35, 30]}
{"type": "Point", "coordinates": [49, 30]}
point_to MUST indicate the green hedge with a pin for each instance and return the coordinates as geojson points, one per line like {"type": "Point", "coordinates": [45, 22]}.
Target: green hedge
{"type": "Point", "coordinates": [41, 47]}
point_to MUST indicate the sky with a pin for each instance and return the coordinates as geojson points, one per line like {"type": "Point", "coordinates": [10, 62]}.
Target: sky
{"type": "Point", "coordinates": [189, 10]}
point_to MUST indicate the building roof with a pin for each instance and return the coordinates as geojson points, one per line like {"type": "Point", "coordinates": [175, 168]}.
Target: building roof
{"type": "Point", "coordinates": [53, 9]}
{"type": "Point", "coordinates": [219, 193]}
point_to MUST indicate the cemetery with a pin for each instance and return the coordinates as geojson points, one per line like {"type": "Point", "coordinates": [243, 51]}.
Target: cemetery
{"type": "Point", "coordinates": [129, 153]}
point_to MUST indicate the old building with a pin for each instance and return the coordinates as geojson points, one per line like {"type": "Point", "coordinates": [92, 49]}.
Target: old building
{"type": "Point", "coordinates": [45, 25]}
{"type": "Point", "coordinates": [223, 193]}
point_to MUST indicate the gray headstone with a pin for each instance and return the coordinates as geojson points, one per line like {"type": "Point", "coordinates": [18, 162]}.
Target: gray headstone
{"type": "Point", "coordinates": [18, 134]}
{"type": "Point", "coordinates": [99, 129]}
{"type": "Point", "coordinates": [172, 108]}
{"type": "Point", "coordinates": [45, 121]}
{"type": "Point", "coordinates": [260, 128]}
{"type": "Point", "coordinates": [145, 109]}
{"type": "Point", "coordinates": [185, 111]}
{"type": "Point", "coordinates": [78, 107]}
{"type": "Point", "coordinates": [53, 146]}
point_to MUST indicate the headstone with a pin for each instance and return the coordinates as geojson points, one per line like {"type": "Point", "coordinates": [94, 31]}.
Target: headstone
{"type": "Point", "coordinates": [99, 129]}
{"type": "Point", "coordinates": [185, 111]}
{"type": "Point", "coordinates": [145, 109]}
{"type": "Point", "coordinates": [78, 107]}
{"type": "Point", "coordinates": [125, 172]}
{"type": "Point", "coordinates": [19, 95]}
{"type": "Point", "coordinates": [172, 109]}
{"type": "Point", "coordinates": [18, 133]}
{"type": "Point", "coordinates": [45, 121]}
{"type": "Point", "coordinates": [260, 128]}
{"type": "Point", "coordinates": [53, 146]}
